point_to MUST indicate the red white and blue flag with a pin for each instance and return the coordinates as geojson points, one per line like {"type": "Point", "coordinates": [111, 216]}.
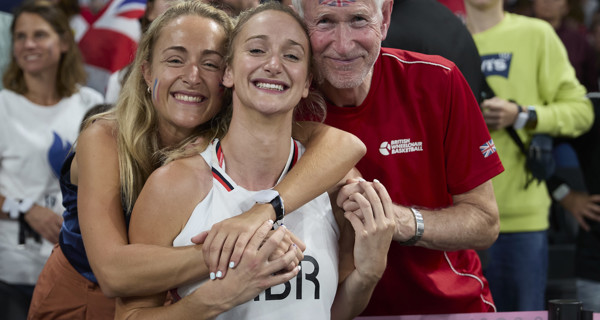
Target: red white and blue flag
{"type": "Point", "coordinates": [488, 148]}
{"type": "Point", "coordinates": [336, 3]}
{"type": "Point", "coordinates": [108, 40]}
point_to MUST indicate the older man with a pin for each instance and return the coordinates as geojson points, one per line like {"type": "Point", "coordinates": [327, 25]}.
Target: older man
{"type": "Point", "coordinates": [427, 143]}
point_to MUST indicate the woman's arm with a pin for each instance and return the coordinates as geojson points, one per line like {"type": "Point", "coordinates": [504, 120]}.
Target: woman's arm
{"type": "Point", "coordinates": [158, 217]}
{"type": "Point", "coordinates": [362, 265]}
{"type": "Point", "coordinates": [330, 154]}
{"type": "Point", "coordinates": [254, 274]}
{"type": "Point", "coordinates": [121, 269]}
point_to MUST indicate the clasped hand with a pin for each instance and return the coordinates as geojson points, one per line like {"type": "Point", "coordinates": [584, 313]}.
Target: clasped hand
{"type": "Point", "coordinates": [224, 245]}
{"type": "Point", "coordinates": [369, 209]}
{"type": "Point", "coordinates": [499, 113]}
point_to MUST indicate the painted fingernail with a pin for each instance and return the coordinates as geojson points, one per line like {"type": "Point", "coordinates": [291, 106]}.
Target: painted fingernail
{"type": "Point", "coordinates": [282, 225]}
{"type": "Point", "coordinates": [299, 267]}
{"type": "Point", "coordinates": [376, 181]}
{"type": "Point", "coordinates": [219, 274]}
{"type": "Point", "coordinates": [270, 221]}
{"type": "Point", "coordinates": [361, 179]}
{"type": "Point", "coordinates": [231, 265]}
{"type": "Point", "coordinates": [212, 276]}
{"type": "Point", "coordinates": [293, 244]}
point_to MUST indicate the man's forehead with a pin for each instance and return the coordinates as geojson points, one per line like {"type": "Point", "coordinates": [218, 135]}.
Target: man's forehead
{"type": "Point", "coordinates": [328, 5]}
{"type": "Point", "coordinates": [336, 3]}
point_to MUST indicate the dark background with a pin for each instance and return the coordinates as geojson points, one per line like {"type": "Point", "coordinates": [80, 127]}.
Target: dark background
{"type": "Point", "coordinates": [8, 5]}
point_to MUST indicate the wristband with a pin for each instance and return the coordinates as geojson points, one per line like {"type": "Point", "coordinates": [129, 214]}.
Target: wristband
{"type": "Point", "coordinates": [13, 207]}
{"type": "Point", "coordinates": [561, 192]}
{"type": "Point", "coordinates": [522, 119]}
{"type": "Point", "coordinates": [419, 228]}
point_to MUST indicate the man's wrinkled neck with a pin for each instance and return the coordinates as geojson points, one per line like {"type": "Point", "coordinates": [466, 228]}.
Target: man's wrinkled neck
{"type": "Point", "coordinates": [347, 97]}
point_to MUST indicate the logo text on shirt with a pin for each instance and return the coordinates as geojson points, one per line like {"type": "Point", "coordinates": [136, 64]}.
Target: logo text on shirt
{"type": "Point", "coordinates": [496, 64]}
{"type": "Point", "coordinates": [400, 146]}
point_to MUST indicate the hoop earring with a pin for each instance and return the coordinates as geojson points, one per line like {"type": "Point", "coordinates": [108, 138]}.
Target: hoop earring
{"type": "Point", "coordinates": [149, 91]}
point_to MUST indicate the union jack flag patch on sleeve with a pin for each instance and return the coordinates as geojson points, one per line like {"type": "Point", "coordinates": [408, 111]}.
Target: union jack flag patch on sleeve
{"type": "Point", "coordinates": [488, 148]}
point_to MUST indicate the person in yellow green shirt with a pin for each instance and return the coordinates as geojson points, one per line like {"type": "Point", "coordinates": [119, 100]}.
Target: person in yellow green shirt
{"type": "Point", "coordinates": [536, 91]}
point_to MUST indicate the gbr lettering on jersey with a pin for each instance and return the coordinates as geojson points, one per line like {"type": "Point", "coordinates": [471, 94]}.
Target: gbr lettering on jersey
{"type": "Point", "coordinates": [305, 286]}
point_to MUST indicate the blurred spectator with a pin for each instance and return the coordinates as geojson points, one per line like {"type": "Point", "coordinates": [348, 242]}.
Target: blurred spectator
{"type": "Point", "coordinates": [581, 54]}
{"type": "Point", "coordinates": [41, 107]}
{"type": "Point", "coordinates": [537, 92]}
{"type": "Point", "coordinates": [5, 41]}
{"type": "Point", "coordinates": [589, 9]}
{"type": "Point", "coordinates": [584, 205]}
{"type": "Point", "coordinates": [595, 40]}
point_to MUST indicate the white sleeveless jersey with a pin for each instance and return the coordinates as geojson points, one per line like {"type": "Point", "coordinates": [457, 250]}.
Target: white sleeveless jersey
{"type": "Point", "coordinates": [310, 294]}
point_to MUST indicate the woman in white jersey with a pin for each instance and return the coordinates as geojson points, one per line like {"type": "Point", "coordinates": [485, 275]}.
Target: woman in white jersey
{"type": "Point", "coordinates": [41, 107]}
{"type": "Point", "coordinates": [268, 68]}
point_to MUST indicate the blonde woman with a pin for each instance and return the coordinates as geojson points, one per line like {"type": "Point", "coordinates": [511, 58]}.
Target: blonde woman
{"type": "Point", "coordinates": [169, 99]}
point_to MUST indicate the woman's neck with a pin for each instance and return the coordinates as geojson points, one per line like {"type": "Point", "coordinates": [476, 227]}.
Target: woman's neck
{"type": "Point", "coordinates": [41, 89]}
{"type": "Point", "coordinates": [256, 149]}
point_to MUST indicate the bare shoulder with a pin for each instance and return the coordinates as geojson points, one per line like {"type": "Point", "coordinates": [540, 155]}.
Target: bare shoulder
{"type": "Point", "coordinates": [100, 131]}
{"type": "Point", "coordinates": [97, 152]}
{"type": "Point", "coordinates": [190, 175]}
{"type": "Point", "coordinates": [176, 189]}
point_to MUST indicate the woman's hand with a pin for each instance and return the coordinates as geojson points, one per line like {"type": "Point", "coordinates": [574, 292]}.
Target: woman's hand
{"type": "Point", "coordinates": [289, 242]}
{"type": "Point", "coordinates": [226, 241]}
{"type": "Point", "coordinates": [373, 223]}
{"type": "Point", "coordinates": [255, 272]}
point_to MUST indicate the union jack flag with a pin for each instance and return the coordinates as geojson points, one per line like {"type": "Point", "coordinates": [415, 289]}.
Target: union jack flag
{"type": "Point", "coordinates": [108, 39]}
{"type": "Point", "coordinates": [488, 148]}
{"type": "Point", "coordinates": [336, 3]}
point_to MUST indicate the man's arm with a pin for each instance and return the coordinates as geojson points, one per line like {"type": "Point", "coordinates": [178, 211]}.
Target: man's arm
{"type": "Point", "coordinates": [472, 222]}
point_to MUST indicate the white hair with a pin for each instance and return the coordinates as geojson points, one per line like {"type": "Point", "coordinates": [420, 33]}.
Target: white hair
{"type": "Point", "coordinates": [298, 5]}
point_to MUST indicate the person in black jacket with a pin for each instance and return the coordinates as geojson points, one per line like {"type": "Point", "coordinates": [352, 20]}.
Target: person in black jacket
{"type": "Point", "coordinates": [429, 27]}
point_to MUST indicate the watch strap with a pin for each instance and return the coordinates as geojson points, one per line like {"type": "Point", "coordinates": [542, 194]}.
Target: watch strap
{"type": "Point", "coordinates": [279, 208]}
{"type": "Point", "coordinates": [532, 119]}
{"type": "Point", "coordinates": [561, 192]}
{"type": "Point", "coordinates": [272, 196]}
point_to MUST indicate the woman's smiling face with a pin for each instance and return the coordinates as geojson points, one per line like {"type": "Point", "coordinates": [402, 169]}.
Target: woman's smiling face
{"type": "Point", "coordinates": [36, 45]}
{"type": "Point", "coordinates": [270, 67]}
{"type": "Point", "coordinates": [185, 73]}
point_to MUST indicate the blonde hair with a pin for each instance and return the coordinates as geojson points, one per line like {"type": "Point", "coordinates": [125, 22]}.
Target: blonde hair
{"type": "Point", "coordinates": [70, 73]}
{"type": "Point", "coordinates": [135, 114]}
